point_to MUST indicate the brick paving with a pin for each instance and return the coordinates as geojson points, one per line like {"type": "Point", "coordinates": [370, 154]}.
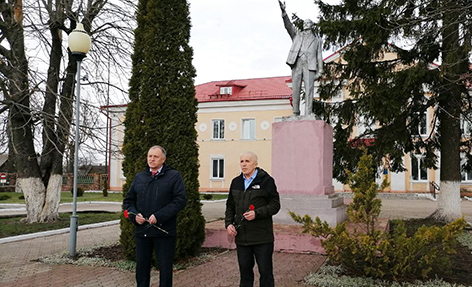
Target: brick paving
{"type": "Point", "coordinates": [289, 270]}
{"type": "Point", "coordinates": [19, 268]}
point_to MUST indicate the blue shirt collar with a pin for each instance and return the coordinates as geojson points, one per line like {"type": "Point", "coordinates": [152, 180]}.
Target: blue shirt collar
{"type": "Point", "coordinates": [247, 182]}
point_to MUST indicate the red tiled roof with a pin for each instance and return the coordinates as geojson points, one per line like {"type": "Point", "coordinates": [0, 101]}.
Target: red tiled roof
{"type": "Point", "coordinates": [248, 89]}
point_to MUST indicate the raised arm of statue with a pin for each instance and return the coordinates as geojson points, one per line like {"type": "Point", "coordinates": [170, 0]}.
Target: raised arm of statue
{"type": "Point", "coordinates": [282, 7]}
{"type": "Point", "coordinates": [287, 23]}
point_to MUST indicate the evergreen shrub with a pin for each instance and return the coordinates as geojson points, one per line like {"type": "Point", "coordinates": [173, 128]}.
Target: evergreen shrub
{"type": "Point", "coordinates": [80, 191]}
{"type": "Point", "coordinates": [380, 254]}
{"type": "Point", "coordinates": [105, 188]}
{"type": "Point", "coordinates": [162, 111]}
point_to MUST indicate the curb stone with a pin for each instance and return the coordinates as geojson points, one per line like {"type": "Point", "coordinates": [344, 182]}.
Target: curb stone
{"type": "Point", "coordinates": [56, 231]}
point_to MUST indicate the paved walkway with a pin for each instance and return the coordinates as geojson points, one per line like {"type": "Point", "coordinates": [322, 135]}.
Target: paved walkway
{"type": "Point", "coordinates": [18, 265]}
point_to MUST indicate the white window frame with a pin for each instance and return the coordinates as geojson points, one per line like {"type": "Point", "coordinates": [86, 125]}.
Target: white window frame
{"type": "Point", "coordinates": [419, 159]}
{"type": "Point", "coordinates": [226, 90]}
{"type": "Point", "coordinates": [218, 158]}
{"type": "Point", "coordinates": [339, 97]}
{"type": "Point", "coordinates": [465, 176]}
{"type": "Point", "coordinates": [363, 126]}
{"type": "Point", "coordinates": [243, 129]}
{"type": "Point", "coordinates": [466, 127]}
{"type": "Point", "coordinates": [220, 129]}
{"type": "Point", "coordinates": [423, 121]}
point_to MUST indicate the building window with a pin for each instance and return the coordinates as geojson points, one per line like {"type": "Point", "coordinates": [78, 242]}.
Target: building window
{"type": "Point", "coordinates": [465, 175]}
{"type": "Point", "coordinates": [419, 172]}
{"type": "Point", "coordinates": [249, 129]}
{"type": "Point", "coordinates": [217, 168]}
{"type": "Point", "coordinates": [218, 129]}
{"type": "Point", "coordinates": [338, 97]}
{"type": "Point", "coordinates": [423, 125]}
{"type": "Point", "coordinates": [226, 90]}
{"type": "Point", "coordinates": [363, 126]}
{"type": "Point", "coordinates": [466, 127]}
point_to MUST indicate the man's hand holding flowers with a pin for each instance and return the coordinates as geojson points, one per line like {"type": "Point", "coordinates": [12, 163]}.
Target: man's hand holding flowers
{"type": "Point", "coordinates": [140, 219]}
{"type": "Point", "coordinates": [250, 214]}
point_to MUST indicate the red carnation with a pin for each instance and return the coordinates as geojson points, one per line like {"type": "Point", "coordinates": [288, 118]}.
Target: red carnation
{"type": "Point", "coordinates": [126, 214]}
{"type": "Point", "coordinates": [251, 207]}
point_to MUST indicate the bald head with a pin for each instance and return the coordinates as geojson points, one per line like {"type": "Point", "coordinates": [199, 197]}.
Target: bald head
{"type": "Point", "coordinates": [250, 154]}
{"type": "Point", "coordinates": [248, 162]}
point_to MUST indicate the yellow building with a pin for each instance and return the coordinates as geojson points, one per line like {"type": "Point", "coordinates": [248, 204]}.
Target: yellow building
{"type": "Point", "coordinates": [237, 115]}
{"type": "Point", "coordinates": [233, 117]}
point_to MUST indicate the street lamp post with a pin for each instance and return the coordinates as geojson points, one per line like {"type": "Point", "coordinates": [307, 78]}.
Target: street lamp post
{"type": "Point", "coordinates": [79, 45]}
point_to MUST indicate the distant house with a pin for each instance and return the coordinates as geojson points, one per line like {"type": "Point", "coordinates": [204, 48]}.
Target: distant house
{"type": "Point", "coordinates": [92, 169]}
{"type": "Point", "coordinates": [3, 161]}
{"type": "Point", "coordinates": [5, 165]}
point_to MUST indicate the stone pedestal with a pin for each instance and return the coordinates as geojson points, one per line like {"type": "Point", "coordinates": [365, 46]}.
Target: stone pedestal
{"type": "Point", "coordinates": [302, 165]}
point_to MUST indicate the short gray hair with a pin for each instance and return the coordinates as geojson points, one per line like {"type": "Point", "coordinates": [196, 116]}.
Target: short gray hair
{"type": "Point", "coordinates": [253, 155]}
{"type": "Point", "coordinates": [161, 148]}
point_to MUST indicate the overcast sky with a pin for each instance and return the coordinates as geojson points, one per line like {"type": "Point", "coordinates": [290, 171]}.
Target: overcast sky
{"type": "Point", "coordinates": [242, 39]}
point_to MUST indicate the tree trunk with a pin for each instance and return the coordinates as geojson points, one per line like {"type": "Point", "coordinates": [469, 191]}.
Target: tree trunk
{"type": "Point", "coordinates": [449, 110]}
{"type": "Point", "coordinates": [20, 125]}
{"type": "Point", "coordinates": [53, 147]}
{"type": "Point", "coordinates": [50, 210]}
{"type": "Point", "coordinates": [449, 208]}
{"type": "Point", "coordinates": [35, 193]}
{"type": "Point", "coordinates": [21, 137]}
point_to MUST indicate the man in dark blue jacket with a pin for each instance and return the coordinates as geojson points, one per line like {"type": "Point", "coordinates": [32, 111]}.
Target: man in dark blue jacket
{"type": "Point", "coordinates": [252, 201]}
{"type": "Point", "coordinates": [155, 197]}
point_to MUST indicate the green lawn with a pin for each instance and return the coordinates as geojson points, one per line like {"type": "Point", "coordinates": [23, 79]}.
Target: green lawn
{"type": "Point", "coordinates": [92, 196]}
{"type": "Point", "coordinates": [66, 196]}
{"type": "Point", "coordinates": [11, 226]}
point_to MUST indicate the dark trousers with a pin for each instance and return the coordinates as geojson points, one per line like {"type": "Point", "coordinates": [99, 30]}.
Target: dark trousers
{"type": "Point", "coordinates": [263, 255]}
{"type": "Point", "coordinates": [165, 250]}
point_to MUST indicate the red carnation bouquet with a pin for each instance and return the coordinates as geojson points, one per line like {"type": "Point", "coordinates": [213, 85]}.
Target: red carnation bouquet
{"type": "Point", "coordinates": [127, 213]}
{"type": "Point", "coordinates": [242, 218]}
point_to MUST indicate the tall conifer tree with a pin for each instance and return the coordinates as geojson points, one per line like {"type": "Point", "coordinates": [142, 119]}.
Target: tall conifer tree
{"type": "Point", "coordinates": [391, 92]}
{"type": "Point", "coordinates": [162, 111]}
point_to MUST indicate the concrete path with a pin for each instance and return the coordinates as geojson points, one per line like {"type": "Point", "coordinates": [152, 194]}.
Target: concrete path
{"type": "Point", "coordinates": [415, 208]}
{"type": "Point", "coordinates": [391, 208]}
{"type": "Point", "coordinates": [18, 265]}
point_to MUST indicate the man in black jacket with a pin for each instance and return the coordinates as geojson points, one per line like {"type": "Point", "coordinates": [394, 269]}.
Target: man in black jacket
{"type": "Point", "coordinates": [155, 197]}
{"type": "Point", "coordinates": [253, 200]}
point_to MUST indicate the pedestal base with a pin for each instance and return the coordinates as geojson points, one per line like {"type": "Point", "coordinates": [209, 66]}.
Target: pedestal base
{"type": "Point", "coordinates": [302, 166]}
{"type": "Point", "coordinates": [288, 238]}
{"type": "Point", "coordinates": [329, 208]}
{"type": "Point", "coordinates": [302, 157]}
